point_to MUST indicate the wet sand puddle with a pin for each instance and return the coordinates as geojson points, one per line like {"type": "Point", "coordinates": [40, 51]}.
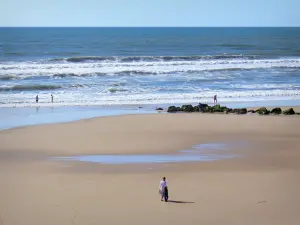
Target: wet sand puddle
{"type": "Point", "coordinates": [198, 153]}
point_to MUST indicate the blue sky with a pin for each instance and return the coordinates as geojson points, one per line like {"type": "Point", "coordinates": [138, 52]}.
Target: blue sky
{"type": "Point", "coordinates": [150, 13]}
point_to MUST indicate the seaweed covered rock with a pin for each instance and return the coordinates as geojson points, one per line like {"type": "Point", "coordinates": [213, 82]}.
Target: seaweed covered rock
{"type": "Point", "coordinates": [209, 109]}
{"type": "Point", "coordinates": [205, 109]}
{"type": "Point", "coordinates": [263, 111]}
{"type": "Point", "coordinates": [218, 108]}
{"type": "Point", "coordinates": [202, 107]}
{"type": "Point", "coordinates": [224, 109]}
{"type": "Point", "coordinates": [276, 111]}
{"type": "Point", "coordinates": [196, 108]}
{"type": "Point", "coordinates": [251, 111]}
{"type": "Point", "coordinates": [289, 111]}
{"type": "Point", "coordinates": [229, 110]}
{"type": "Point", "coordinates": [172, 109]}
{"type": "Point", "coordinates": [187, 108]}
{"type": "Point", "coordinates": [159, 109]}
{"type": "Point", "coordinates": [240, 111]}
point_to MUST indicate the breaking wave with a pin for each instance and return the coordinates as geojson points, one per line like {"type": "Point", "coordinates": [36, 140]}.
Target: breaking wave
{"type": "Point", "coordinates": [67, 69]}
{"type": "Point", "coordinates": [33, 87]}
{"type": "Point", "coordinates": [8, 77]}
{"type": "Point", "coordinates": [146, 79]}
{"type": "Point", "coordinates": [150, 58]}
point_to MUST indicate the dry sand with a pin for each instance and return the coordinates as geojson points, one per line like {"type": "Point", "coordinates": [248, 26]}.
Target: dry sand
{"type": "Point", "coordinates": [261, 187]}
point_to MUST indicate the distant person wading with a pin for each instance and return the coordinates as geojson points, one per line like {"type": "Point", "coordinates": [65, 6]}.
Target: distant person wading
{"type": "Point", "coordinates": [215, 99]}
{"type": "Point", "coordinates": [37, 99]}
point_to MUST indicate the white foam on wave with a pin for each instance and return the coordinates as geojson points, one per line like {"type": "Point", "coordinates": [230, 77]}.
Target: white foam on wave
{"type": "Point", "coordinates": [266, 86]}
{"type": "Point", "coordinates": [178, 82]}
{"type": "Point", "coordinates": [112, 68]}
{"type": "Point", "coordinates": [62, 98]}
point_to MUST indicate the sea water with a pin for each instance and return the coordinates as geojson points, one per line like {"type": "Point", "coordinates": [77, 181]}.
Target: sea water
{"type": "Point", "coordinates": [115, 66]}
{"type": "Point", "coordinates": [94, 67]}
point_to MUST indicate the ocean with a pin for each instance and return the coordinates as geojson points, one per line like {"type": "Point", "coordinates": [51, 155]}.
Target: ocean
{"type": "Point", "coordinates": [119, 66]}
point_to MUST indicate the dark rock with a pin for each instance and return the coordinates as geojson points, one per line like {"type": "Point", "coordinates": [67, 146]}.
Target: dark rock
{"type": "Point", "coordinates": [224, 109]}
{"type": "Point", "coordinates": [159, 109]}
{"type": "Point", "coordinates": [251, 111]}
{"type": "Point", "coordinates": [172, 109]}
{"type": "Point", "coordinates": [196, 108]}
{"type": "Point", "coordinates": [209, 109]}
{"type": "Point", "coordinates": [297, 113]}
{"type": "Point", "coordinates": [263, 111]}
{"type": "Point", "coordinates": [276, 111]}
{"type": "Point", "coordinates": [240, 111]}
{"type": "Point", "coordinates": [202, 107]}
{"type": "Point", "coordinates": [289, 111]}
{"type": "Point", "coordinates": [187, 108]}
{"type": "Point", "coordinates": [229, 110]}
{"type": "Point", "coordinates": [217, 108]}
{"type": "Point", "coordinates": [205, 109]}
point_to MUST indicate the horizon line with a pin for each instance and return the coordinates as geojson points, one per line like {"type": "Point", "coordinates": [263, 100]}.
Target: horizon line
{"type": "Point", "coordinates": [149, 26]}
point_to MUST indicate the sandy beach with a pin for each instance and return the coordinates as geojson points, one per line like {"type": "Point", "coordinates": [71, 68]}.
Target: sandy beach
{"type": "Point", "coordinates": [260, 186]}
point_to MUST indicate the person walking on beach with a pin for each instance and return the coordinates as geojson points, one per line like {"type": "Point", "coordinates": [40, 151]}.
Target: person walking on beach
{"type": "Point", "coordinates": [51, 98]}
{"type": "Point", "coordinates": [37, 99]}
{"type": "Point", "coordinates": [162, 188]}
{"type": "Point", "coordinates": [215, 99]}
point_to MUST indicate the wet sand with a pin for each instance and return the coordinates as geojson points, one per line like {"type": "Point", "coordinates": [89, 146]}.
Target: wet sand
{"type": "Point", "coordinates": [260, 186]}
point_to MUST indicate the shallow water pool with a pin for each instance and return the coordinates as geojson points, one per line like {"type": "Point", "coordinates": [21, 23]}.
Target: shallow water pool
{"type": "Point", "coordinates": [198, 153]}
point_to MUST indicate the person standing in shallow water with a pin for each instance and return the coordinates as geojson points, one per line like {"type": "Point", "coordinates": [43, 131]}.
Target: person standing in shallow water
{"type": "Point", "coordinates": [215, 99]}
{"type": "Point", "coordinates": [37, 99]}
{"type": "Point", "coordinates": [51, 98]}
{"type": "Point", "coordinates": [162, 188]}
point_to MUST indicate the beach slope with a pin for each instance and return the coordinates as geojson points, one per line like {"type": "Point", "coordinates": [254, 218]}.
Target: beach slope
{"type": "Point", "coordinates": [260, 186]}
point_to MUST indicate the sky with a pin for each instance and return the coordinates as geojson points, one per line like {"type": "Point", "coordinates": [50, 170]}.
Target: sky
{"type": "Point", "coordinates": [153, 13]}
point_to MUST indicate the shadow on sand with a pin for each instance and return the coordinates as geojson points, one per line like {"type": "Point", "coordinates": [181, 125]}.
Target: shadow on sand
{"type": "Point", "coordinates": [180, 202]}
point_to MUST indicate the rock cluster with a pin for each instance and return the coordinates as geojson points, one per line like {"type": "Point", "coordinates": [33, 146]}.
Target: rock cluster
{"type": "Point", "coordinates": [204, 108]}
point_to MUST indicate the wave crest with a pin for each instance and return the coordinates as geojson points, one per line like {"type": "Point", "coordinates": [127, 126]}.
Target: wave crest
{"type": "Point", "coordinates": [8, 77]}
{"type": "Point", "coordinates": [31, 87]}
{"type": "Point", "coordinates": [81, 59]}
